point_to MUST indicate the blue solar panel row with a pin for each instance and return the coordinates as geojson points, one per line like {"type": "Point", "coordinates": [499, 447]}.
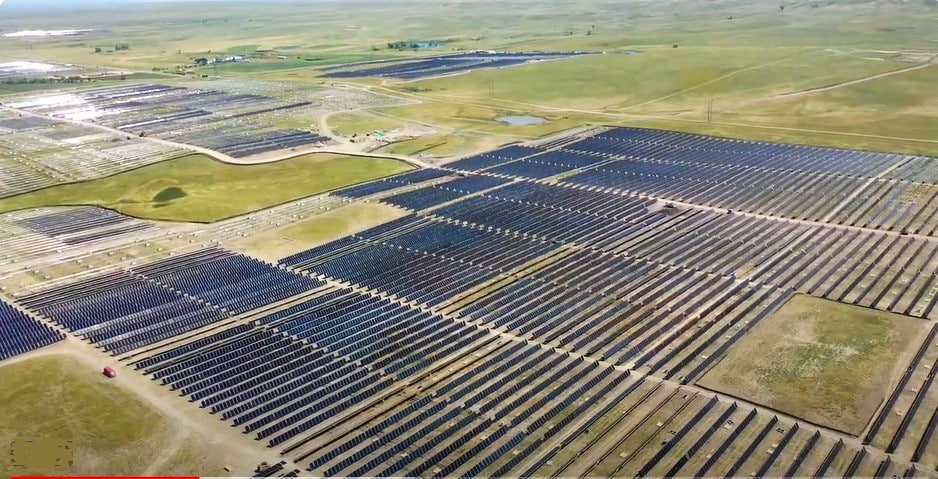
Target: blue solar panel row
{"type": "Point", "coordinates": [328, 251]}
{"type": "Point", "coordinates": [571, 159]}
{"type": "Point", "coordinates": [21, 334]}
{"type": "Point", "coordinates": [529, 169]}
{"type": "Point", "coordinates": [73, 220]}
{"type": "Point", "coordinates": [251, 143]}
{"type": "Point", "coordinates": [790, 181]}
{"type": "Point", "coordinates": [310, 362]}
{"type": "Point", "coordinates": [440, 193]}
{"type": "Point", "coordinates": [123, 311]}
{"type": "Point", "coordinates": [420, 68]}
{"type": "Point", "coordinates": [466, 245]}
{"type": "Point", "coordinates": [120, 311]}
{"type": "Point", "coordinates": [460, 424]}
{"type": "Point", "coordinates": [418, 277]}
{"type": "Point", "coordinates": [411, 259]}
{"type": "Point", "coordinates": [780, 193]}
{"type": "Point", "coordinates": [493, 158]}
{"type": "Point", "coordinates": [392, 182]}
{"type": "Point", "coordinates": [191, 347]}
{"type": "Point", "coordinates": [417, 176]}
{"type": "Point", "coordinates": [232, 281]}
{"type": "Point", "coordinates": [675, 146]}
{"type": "Point", "coordinates": [423, 198]}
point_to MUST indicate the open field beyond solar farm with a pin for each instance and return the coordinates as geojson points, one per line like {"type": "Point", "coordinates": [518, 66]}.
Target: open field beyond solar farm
{"type": "Point", "coordinates": [451, 239]}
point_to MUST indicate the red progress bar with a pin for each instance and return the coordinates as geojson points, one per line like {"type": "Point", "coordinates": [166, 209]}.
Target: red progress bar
{"type": "Point", "coordinates": [105, 477]}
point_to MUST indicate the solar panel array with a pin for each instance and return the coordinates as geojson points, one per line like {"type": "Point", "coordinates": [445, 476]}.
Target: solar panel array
{"type": "Point", "coordinates": [82, 225]}
{"type": "Point", "coordinates": [127, 310]}
{"type": "Point", "coordinates": [38, 152]}
{"type": "Point", "coordinates": [546, 311]}
{"type": "Point", "coordinates": [443, 65]}
{"type": "Point", "coordinates": [226, 122]}
{"type": "Point", "coordinates": [612, 275]}
{"type": "Point", "coordinates": [854, 188]}
{"type": "Point", "coordinates": [21, 334]}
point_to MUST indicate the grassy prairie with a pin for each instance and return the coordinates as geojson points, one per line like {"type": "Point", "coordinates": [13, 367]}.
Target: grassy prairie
{"type": "Point", "coordinates": [198, 189]}
{"type": "Point", "coordinates": [479, 118]}
{"type": "Point", "coordinates": [826, 362]}
{"type": "Point", "coordinates": [673, 77]}
{"type": "Point", "coordinates": [443, 145]}
{"type": "Point", "coordinates": [48, 399]}
{"type": "Point", "coordinates": [351, 123]}
{"type": "Point", "coordinates": [902, 106]}
{"type": "Point", "coordinates": [161, 36]}
{"type": "Point", "coordinates": [320, 229]}
{"type": "Point", "coordinates": [611, 80]}
{"type": "Point", "coordinates": [738, 53]}
{"type": "Point", "coordinates": [54, 400]}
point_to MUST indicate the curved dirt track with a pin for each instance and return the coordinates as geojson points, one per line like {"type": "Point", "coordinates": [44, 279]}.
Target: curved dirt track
{"type": "Point", "coordinates": [217, 155]}
{"type": "Point", "coordinates": [930, 62]}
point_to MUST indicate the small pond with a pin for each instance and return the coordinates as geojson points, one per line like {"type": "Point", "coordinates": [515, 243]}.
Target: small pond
{"type": "Point", "coordinates": [521, 120]}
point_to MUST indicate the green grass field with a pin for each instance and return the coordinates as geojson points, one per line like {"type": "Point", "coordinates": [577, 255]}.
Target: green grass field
{"type": "Point", "coordinates": [57, 400]}
{"type": "Point", "coordinates": [826, 362]}
{"type": "Point", "coordinates": [198, 189]}
{"type": "Point", "coordinates": [359, 123]}
{"type": "Point", "coordinates": [275, 244]}
{"type": "Point", "coordinates": [443, 145]}
{"type": "Point", "coordinates": [50, 399]}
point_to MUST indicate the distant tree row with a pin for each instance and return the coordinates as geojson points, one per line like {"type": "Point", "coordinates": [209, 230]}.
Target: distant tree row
{"type": "Point", "coordinates": [413, 44]}
{"type": "Point", "coordinates": [117, 48]}
{"type": "Point", "coordinates": [29, 81]}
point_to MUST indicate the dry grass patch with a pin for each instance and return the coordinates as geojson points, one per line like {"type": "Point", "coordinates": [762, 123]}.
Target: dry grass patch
{"type": "Point", "coordinates": [826, 362]}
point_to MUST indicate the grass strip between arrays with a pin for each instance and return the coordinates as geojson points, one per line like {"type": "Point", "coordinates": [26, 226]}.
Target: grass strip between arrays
{"type": "Point", "coordinates": [198, 189]}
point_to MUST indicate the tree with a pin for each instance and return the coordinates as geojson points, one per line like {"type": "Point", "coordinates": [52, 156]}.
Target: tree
{"type": "Point", "coordinates": [97, 49]}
